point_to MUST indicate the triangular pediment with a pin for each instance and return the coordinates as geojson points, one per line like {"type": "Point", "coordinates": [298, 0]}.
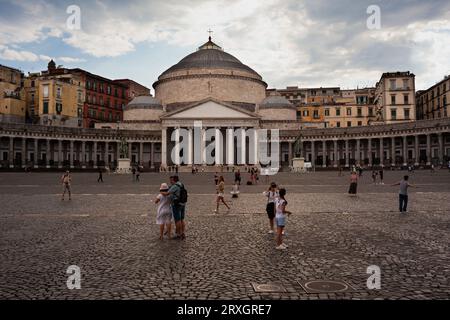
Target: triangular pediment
{"type": "Point", "coordinates": [210, 109]}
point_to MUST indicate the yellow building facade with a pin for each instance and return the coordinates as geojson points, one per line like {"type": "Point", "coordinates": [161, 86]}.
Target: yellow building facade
{"type": "Point", "coordinates": [55, 99]}
{"type": "Point", "coordinates": [12, 96]}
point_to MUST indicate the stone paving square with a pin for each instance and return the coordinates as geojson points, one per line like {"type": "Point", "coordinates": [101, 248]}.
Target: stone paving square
{"type": "Point", "coordinates": [108, 230]}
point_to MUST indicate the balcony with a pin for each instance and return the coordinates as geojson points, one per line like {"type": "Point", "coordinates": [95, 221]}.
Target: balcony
{"type": "Point", "coordinates": [11, 95]}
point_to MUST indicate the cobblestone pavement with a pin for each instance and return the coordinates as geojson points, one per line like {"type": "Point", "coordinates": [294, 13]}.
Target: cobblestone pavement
{"type": "Point", "coordinates": [109, 231]}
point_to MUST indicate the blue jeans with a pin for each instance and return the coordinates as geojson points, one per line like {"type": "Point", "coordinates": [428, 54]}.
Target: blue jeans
{"type": "Point", "coordinates": [403, 202]}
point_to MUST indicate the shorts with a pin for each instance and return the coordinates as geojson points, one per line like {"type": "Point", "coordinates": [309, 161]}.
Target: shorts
{"type": "Point", "coordinates": [281, 222]}
{"type": "Point", "coordinates": [270, 209]}
{"type": "Point", "coordinates": [220, 195]}
{"type": "Point", "coordinates": [178, 212]}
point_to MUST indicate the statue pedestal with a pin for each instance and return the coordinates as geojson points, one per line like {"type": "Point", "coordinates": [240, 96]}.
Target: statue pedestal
{"type": "Point", "coordinates": [123, 166]}
{"type": "Point", "coordinates": [298, 165]}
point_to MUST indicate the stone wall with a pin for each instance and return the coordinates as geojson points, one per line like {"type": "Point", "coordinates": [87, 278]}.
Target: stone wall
{"type": "Point", "coordinates": [278, 114]}
{"type": "Point", "coordinates": [224, 86]}
{"type": "Point", "coordinates": [142, 114]}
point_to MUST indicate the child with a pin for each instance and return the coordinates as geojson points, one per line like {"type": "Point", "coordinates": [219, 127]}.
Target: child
{"type": "Point", "coordinates": [164, 213]}
{"type": "Point", "coordinates": [271, 195]}
{"type": "Point", "coordinates": [280, 216]}
{"type": "Point", "coordinates": [235, 191]}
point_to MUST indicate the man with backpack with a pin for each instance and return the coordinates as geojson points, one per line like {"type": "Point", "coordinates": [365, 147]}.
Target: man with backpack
{"type": "Point", "coordinates": [178, 196]}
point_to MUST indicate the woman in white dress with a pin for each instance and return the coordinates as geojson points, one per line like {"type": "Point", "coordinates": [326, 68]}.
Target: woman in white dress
{"type": "Point", "coordinates": [164, 212]}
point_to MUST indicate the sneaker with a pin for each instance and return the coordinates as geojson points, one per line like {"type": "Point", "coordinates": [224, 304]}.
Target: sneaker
{"type": "Point", "coordinates": [280, 247]}
{"type": "Point", "coordinates": [285, 245]}
{"type": "Point", "coordinates": [270, 232]}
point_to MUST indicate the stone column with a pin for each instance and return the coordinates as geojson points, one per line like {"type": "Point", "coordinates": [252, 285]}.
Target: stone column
{"type": "Point", "coordinates": [290, 153]}
{"type": "Point", "coordinates": [141, 153]}
{"type": "Point", "coordinates": [152, 155]}
{"type": "Point", "coordinates": [393, 151]}
{"type": "Point", "coordinates": [369, 151]}
{"type": "Point", "coordinates": [106, 154]}
{"type": "Point", "coordinates": [130, 150]}
{"type": "Point", "coordinates": [11, 152]}
{"type": "Point", "coordinates": [48, 154]}
{"type": "Point", "coordinates": [118, 152]}
{"type": "Point", "coordinates": [83, 155]}
{"type": "Point", "coordinates": [324, 154]}
{"type": "Point", "coordinates": [230, 146]}
{"type": "Point", "coordinates": [94, 155]}
{"type": "Point", "coordinates": [428, 149]}
{"type": "Point", "coordinates": [203, 145]}
{"type": "Point", "coordinates": [60, 154]}
{"type": "Point", "coordinates": [335, 151]}
{"type": "Point", "coordinates": [36, 153]}
{"type": "Point", "coordinates": [24, 152]}
{"type": "Point", "coordinates": [255, 142]}
{"type": "Point", "coordinates": [176, 150]}
{"type": "Point", "coordinates": [405, 150]}
{"type": "Point", "coordinates": [243, 147]}
{"type": "Point", "coordinates": [190, 152]}
{"type": "Point", "coordinates": [441, 149]}
{"type": "Point", "coordinates": [416, 150]}
{"type": "Point", "coordinates": [313, 153]}
{"type": "Point", "coordinates": [164, 147]}
{"type": "Point", "coordinates": [71, 154]}
{"type": "Point", "coordinates": [218, 147]}
{"type": "Point", "coordinates": [358, 151]}
{"type": "Point", "coordinates": [347, 156]}
{"type": "Point", "coordinates": [381, 152]}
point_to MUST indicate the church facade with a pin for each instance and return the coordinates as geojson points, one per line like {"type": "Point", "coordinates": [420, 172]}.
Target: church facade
{"type": "Point", "coordinates": [214, 89]}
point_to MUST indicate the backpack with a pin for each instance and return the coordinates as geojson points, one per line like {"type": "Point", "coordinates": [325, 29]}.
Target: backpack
{"type": "Point", "coordinates": [183, 197]}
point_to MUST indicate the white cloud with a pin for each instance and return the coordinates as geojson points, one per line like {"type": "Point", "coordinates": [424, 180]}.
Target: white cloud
{"type": "Point", "coordinates": [287, 41]}
{"type": "Point", "coordinates": [70, 59]}
{"type": "Point", "coordinates": [16, 55]}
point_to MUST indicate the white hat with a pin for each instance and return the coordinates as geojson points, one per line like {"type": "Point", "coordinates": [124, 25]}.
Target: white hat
{"type": "Point", "coordinates": [164, 187]}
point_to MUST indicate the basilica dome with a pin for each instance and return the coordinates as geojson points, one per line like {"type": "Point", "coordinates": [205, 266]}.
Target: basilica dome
{"type": "Point", "coordinates": [277, 107]}
{"type": "Point", "coordinates": [143, 108]}
{"type": "Point", "coordinates": [210, 72]}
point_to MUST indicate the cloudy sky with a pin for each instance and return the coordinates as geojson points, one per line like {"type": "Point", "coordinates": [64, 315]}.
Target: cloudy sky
{"type": "Point", "coordinates": [289, 42]}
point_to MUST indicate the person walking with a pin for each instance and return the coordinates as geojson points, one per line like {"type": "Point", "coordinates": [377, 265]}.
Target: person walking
{"type": "Point", "coordinates": [221, 195]}
{"type": "Point", "coordinates": [138, 173]}
{"type": "Point", "coordinates": [374, 176]}
{"type": "Point", "coordinates": [100, 175]}
{"type": "Point", "coordinates": [381, 174]}
{"type": "Point", "coordinates": [237, 177]}
{"type": "Point", "coordinates": [164, 212]}
{"type": "Point", "coordinates": [272, 195]}
{"type": "Point", "coordinates": [66, 180]}
{"type": "Point", "coordinates": [403, 193]}
{"type": "Point", "coordinates": [133, 171]}
{"type": "Point", "coordinates": [353, 183]}
{"type": "Point", "coordinates": [280, 217]}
